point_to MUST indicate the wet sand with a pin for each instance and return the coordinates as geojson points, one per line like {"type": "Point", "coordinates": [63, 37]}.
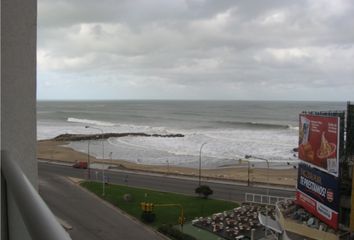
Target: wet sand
{"type": "Point", "coordinates": [55, 151]}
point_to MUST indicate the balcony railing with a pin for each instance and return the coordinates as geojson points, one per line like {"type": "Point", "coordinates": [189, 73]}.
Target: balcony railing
{"type": "Point", "coordinates": [39, 220]}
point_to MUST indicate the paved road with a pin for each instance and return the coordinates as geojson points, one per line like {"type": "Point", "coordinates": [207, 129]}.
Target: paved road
{"type": "Point", "coordinates": [90, 218]}
{"type": "Point", "coordinates": [226, 191]}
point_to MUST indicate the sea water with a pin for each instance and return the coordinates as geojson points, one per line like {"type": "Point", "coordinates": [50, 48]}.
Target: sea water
{"type": "Point", "coordinates": [229, 129]}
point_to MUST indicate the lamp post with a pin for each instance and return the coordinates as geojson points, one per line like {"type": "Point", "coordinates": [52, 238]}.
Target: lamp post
{"type": "Point", "coordinates": [267, 161]}
{"type": "Point", "coordinates": [248, 173]}
{"type": "Point", "coordinates": [248, 168]}
{"type": "Point", "coordinates": [103, 183]}
{"type": "Point", "coordinates": [200, 162]}
{"type": "Point", "coordinates": [88, 160]}
{"type": "Point", "coordinates": [110, 156]}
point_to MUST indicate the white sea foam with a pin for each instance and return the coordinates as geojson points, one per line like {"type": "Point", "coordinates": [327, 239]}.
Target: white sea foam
{"type": "Point", "coordinates": [293, 127]}
{"type": "Point", "coordinates": [223, 147]}
{"type": "Point", "coordinates": [89, 121]}
{"type": "Point", "coordinates": [47, 129]}
{"type": "Point", "coordinates": [50, 129]}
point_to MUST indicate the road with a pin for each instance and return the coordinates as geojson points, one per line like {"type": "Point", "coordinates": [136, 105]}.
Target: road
{"type": "Point", "coordinates": [222, 190]}
{"type": "Point", "coordinates": [90, 218]}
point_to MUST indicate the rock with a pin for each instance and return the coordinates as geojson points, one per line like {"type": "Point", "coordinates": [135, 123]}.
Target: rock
{"type": "Point", "coordinates": [81, 137]}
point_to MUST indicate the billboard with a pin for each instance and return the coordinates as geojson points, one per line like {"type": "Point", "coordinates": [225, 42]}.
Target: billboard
{"type": "Point", "coordinates": [319, 142]}
{"type": "Point", "coordinates": [318, 193]}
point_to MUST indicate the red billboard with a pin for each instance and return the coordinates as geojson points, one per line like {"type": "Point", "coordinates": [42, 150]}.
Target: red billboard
{"type": "Point", "coordinates": [319, 142]}
{"type": "Point", "coordinates": [324, 213]}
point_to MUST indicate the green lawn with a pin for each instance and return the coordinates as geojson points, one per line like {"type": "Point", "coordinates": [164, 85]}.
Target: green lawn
{"type": "Point", "coordinates": [193, 205]}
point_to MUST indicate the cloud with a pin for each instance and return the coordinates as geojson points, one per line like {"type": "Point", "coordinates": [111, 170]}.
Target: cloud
{"type": "Point", "coordinates": [196, 48]}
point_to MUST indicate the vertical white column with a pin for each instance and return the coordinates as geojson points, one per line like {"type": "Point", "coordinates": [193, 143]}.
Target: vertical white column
{"type": "Point", "coordinates": [18, 96]}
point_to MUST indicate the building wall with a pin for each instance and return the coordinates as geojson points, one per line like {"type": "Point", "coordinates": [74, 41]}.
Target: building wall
{"type": "Point", "coordinates": [18, 96]}
{"type": "Point", "coordinates": [352, 206]}
{"type": "Point", "coordinates": [350, 157]}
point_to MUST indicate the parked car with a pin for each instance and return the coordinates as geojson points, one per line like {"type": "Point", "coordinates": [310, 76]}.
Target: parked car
{"type": "Point", "coordinates": [82, 165]}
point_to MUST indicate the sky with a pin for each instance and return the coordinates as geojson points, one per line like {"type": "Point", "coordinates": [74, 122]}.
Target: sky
{"type": "Point", "coordinates": [195, 49]}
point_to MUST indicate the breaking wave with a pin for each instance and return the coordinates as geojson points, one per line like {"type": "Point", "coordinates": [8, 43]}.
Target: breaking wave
{"type": "Point", "coordinates": [89, 121]}
{"type": "Point", "coordinates": [251, 125]}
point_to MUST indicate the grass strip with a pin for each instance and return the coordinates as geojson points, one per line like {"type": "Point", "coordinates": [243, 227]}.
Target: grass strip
{"type": "Point", "coordinates": [193, 206]}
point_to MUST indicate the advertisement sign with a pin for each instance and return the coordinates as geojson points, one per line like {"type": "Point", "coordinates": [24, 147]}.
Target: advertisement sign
{"type": "Point", "coordinates": [319, 185]}
{"type": "Point", "coordinates": [318, 193]}
{"type": "Point", "coordinates": [319, 210]}
{"type": "Point", "coordinates": [319, 142]}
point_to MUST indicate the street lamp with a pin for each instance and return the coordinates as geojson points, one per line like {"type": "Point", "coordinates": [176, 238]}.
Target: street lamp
{"type": "Point", "coordinates": [200, 162]}
{"type": "Point", "coordinates": [88, 160]}
{"type": "Point", "coordinates": [248, 168]}
{"type": "Point", "coordinates": [248, 173]}
{"type": "Point", "coordinates": [103, 183]}
{"type": "Point", "coordinates": [267, 161]}
{"type": "Point", "coordinates": [110, 156]}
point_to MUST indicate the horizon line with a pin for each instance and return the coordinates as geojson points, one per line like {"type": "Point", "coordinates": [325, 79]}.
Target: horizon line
{"type": "Point", "coordinates": [190, 100]}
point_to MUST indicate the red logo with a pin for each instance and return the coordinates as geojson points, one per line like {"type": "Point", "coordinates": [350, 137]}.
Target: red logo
{"type": "Point", "coordinates": [329, 195]}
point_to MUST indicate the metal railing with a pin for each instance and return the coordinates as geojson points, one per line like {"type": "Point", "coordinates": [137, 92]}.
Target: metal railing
{"type": "Point", "coordinates": [263, 199]}
{"type": "Point", "coordinates": [39, 220]}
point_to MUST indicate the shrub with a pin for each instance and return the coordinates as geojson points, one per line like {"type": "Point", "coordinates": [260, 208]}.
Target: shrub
{"type": "Point", "coordinates": [204, 190]}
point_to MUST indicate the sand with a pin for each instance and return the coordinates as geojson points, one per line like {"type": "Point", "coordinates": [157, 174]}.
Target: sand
{"type": "Point", "coordinates": [55, 151]}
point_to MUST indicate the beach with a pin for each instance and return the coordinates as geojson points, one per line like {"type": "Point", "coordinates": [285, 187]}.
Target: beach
{"type": "Point", "coordinates": [58, 151]}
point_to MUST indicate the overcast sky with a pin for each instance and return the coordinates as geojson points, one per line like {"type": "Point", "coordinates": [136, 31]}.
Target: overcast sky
{"type": "Point", "coordinates": [196, 49]}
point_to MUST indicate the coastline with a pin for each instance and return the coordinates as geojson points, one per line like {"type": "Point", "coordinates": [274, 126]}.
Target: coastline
{"type": "Point", "coordinates": [53, 150]}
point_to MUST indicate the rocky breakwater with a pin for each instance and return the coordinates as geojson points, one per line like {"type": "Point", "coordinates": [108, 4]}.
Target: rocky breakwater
{"type": "Point", "coordinates": [82, 137]}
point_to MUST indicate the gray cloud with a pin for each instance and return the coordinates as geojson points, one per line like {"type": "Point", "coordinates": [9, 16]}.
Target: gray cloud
{"type": "Point", "coordinates": [196, 49]}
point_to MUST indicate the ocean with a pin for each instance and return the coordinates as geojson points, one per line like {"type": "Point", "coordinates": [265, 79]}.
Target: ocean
{"type": "Point", "coordinates": [230, 129]}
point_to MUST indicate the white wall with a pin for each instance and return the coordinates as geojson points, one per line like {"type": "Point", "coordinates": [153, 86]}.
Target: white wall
{"type": "Point", "coordinates": [18, 94]}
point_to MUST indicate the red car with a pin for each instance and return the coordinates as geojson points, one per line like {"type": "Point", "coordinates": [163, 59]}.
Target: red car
{"type": "Point", "coordinates": [82, 165]}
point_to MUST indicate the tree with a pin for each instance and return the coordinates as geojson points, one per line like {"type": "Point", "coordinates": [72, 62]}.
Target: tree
{"type": "Point", "coordinates": [204, 190]}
